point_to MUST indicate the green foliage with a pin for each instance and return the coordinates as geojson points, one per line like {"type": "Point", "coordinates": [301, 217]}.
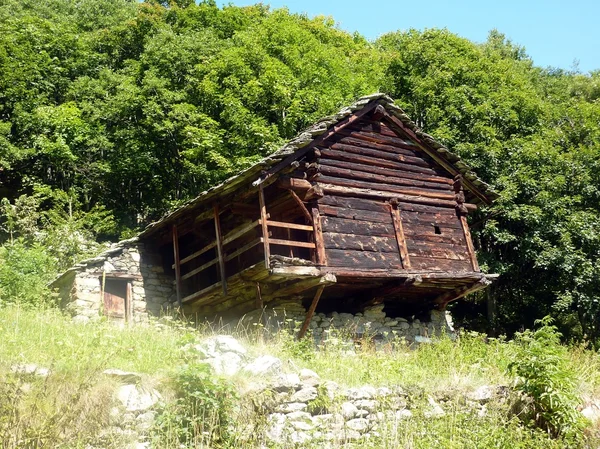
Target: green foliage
{"type": "Point", "coordinates": [24, 272]}
{"type": "Point", "coordinates": [547, 383]}
{"type": "Point", "coordinates": [131, 108]}
{"type": "Point", "coordinates": [201, 413]}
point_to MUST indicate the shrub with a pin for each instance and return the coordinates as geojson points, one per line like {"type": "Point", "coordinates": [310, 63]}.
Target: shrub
{"type": "Point", "coordinates": [546, 382]}
{"type": "Point", "coordinates": [24, 273]}
{"type": "Point", "coordinates": [201, 414]}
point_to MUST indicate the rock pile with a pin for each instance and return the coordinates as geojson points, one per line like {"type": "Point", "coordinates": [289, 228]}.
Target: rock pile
{"type": "Point", "coordinates": [372, 323]}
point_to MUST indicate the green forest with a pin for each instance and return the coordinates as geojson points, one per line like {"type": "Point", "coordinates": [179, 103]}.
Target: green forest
{"type": "Point", "coordinates": [113, 112]}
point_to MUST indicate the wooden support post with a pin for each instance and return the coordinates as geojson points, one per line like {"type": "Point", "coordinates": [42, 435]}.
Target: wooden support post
{"type": "Point", "coordinates": [470, 248]}
{"type": "Point", "coordinates": [301, 206]}
{"type": "Point", "coordinates": [399, 229]}
{"type": "Point", "coordinates": [259, 300]}
{"type": "Point", "coordinates": [177, 265]}
{"type": "Point", "coordinates": [311, 312]}
{"type": "Point", "coordinates": [220, 253]}
{"type": "Point", "coordinates": [129, 303]}
{"type": "Point", "coordinates": [443, 300]}
{"type": "Point", "coordinates": [318, 235]}
{"type": "Point", "coordinates": [265, 227]}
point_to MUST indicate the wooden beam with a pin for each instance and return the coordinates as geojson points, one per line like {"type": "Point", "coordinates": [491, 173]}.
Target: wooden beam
{"type": "Point", "coordinates": [259, 299]}
{"type": "Point", "coordinates": [197, 253]}
{"type": "Point", "coordinates": [397, 123]}
{"type": "Point", "coordinates": [305, 284]}
{"type": "Point", "coordinates": [243, 249]}
{"type": "Point", "coordinates": [386, 195]}
{"type": "Point", "coordinates": [265, 229]}
{"type": "Point", "coordinates": [220, 253]}
{"type": "Point", "coordinates": [443, 300]}
{"type": "Point", "coordinates": [301, 205]}
{"type": "Point", "coordinates": [382, 293]}
{"type": "Point", "coordinates": [311, 312]}
{"type": "Point", "coordinates": [291, 243]}
{"type": "Point", "coordinates": [200, 269]}
{"type": "Point", "coordinates": [281, 224]}
{"type": "Point", "coordinates": [239, 231]}
{"type": "Point", "coordinates": [318, 140]}
{"type": "Point", "coordinates": [201, 292]}
{"type": "Point", "coordinates": [400, 239]}
{"type": "Point", "coordinates": [129, 303]}
{"type": "Point", "coordinates": [318, 237]}
{"type": "Point", "coordinates": [471, 249]}
{"type": "Point", "coordinates": [296, 271]}
{"type": "Point", "coordinates": [177, 264]}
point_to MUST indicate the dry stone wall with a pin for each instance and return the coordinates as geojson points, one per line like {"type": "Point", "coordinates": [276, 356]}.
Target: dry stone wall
{"type": "Point", "coordinates": [152, 292]}
{"type": "Point", "coordinates": [344, 328]}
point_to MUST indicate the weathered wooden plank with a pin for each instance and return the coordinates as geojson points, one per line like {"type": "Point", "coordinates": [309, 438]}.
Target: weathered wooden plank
{"type": "Point", "coordinates": [337, 240]}
{"type": "Point", "coordinates": [310, 312]}
{"type": "Point", "coordinates": [384, 155]}
{"type": "Point", "coordinates": [355, 214]}
{"type": "Point", "coordinates": [470, 248]}
{"type": "Point", "coordinates": [280, 224]}
{"type": "Point", "coordinates": [383, 147]}
{"type": "Point", "coordinates": [243, 249]}
{"type": "Point", "coordinates": [363, 259]}
{"type": "Point", "coordinates": [347, 202]}
{"type": "Point", "coordinates": [319, 140]}
{"type": "Point", "coordinates": [385, 195]}
{"type": "Point", "coordinates": [199, 293]}
{"type": "Point", "coordinates": [298, 287]}
{"type": "Point", "coordinates": [239, 231]}
{"type": "Point", "coordinates": [427, 208]}
{"type": "Point", "coordinates": [301, 205]}
{"type": "Point", "coordinates": [380, 138]}
{"type": "Point", "coordinates": [417, 232]}
{"type": "Point", "coordinates": [376, 185]}
{"type": "Point", "coordinates": [201, 268]}
{"type": "Point", "coordinates": [177, 264]}
{"type": "Point", "coordinates": [425, 219]}
{"type": "Point", "coordinates": [352, 173]}
{"type": "Point", "coordinates": [321, 256]}
{"type": "Point", "coordinates": [368, 160]}
{"type": "Point", "coordinates": [347, 226]}
{"type": "Point", "coordinates": [435, 239]}
{"type": "Point", "coordinates": [265, 228]}
{"type": "Point", "coordinates": [437, 253]}
{"type": "Point", "coordinates": [398, 125]}
{"type": "Point", "coordinates": [378, 127]}
{"type": "Point", "coordinates": [220, 252]}
{"type": "Point", "coordinates": [427, 180]}
{"type": "Point", "coordinates": [197, 253]}
{"type": "Point", "coordinates": [400, 239]}
{"type": "Point", "coordinates": [428, 263]}
{"type": "Point", "coordinates": [291, 243]}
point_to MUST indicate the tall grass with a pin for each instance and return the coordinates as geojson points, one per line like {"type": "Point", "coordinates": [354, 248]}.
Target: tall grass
{"type": "Point", "coordinates": [71, 407]}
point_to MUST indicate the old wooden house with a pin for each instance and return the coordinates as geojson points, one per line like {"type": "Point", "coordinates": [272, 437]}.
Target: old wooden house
{"type": "Point", "coordinates": [362, 208]}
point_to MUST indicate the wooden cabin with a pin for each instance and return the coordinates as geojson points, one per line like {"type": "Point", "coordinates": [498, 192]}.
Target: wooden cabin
{"type": "Point", "coordinates": [362, 208]}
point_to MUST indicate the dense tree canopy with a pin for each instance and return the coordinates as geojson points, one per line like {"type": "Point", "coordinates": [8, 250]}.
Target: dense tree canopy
{"type": "Point", "coordinates": [114, 111]}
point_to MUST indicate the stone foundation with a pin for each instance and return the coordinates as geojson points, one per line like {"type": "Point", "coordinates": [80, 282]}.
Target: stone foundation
{"type": "Point", "coordinates": [345, 328]}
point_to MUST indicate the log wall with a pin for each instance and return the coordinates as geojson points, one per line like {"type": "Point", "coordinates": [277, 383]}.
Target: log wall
{"type": "Point", "coordinates": [360, 232]}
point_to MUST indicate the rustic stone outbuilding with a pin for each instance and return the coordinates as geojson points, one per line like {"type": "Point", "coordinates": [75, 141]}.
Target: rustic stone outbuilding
{"type": "Point", "coordinates": [361, 210]}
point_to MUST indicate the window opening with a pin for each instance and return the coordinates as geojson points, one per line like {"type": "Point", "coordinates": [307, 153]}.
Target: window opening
{"type": "Point", "coordinates": [437, 229]}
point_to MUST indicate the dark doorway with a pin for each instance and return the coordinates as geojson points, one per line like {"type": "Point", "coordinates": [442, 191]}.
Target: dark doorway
{"type": "Point", "coordinates": [116, 298]}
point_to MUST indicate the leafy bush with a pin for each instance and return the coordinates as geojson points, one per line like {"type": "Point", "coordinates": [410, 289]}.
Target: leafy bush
{"type": "Point", "coordinates": [24, 273]}
{"type": "Point", "coordinates": [201, 414]}
{"type": "Point", "coordinates": [546, 382]}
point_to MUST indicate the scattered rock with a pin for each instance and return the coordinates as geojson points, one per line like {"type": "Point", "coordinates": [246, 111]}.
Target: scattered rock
{"type": "Point", "coordinates": [227, 364]}
{"type": "Point", "coordinates": [482, 395]}
{"type": "Point", "coordinates": [358, 424]}
{"type": "Point", "coordinates": [265, 364]}
{"type": "Point", "coordinates": [125, 377]}
{"type": "Point", "coordinates": [30, 369]}
{"type": "Point", "coordinates": [435, 410]}
{"type": "Point", "coordinates": [349, 410]}
{"type": "Point", "coordinates": [309, 377]}
{"type": "Point", "coordinates": [137, 399]}
{"type": "Point", "coordinates": [306, 394]}
{"type": "Point", "coordinates": [286, 382]}
{"type": "Point", "coordinates": [290, 407]}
